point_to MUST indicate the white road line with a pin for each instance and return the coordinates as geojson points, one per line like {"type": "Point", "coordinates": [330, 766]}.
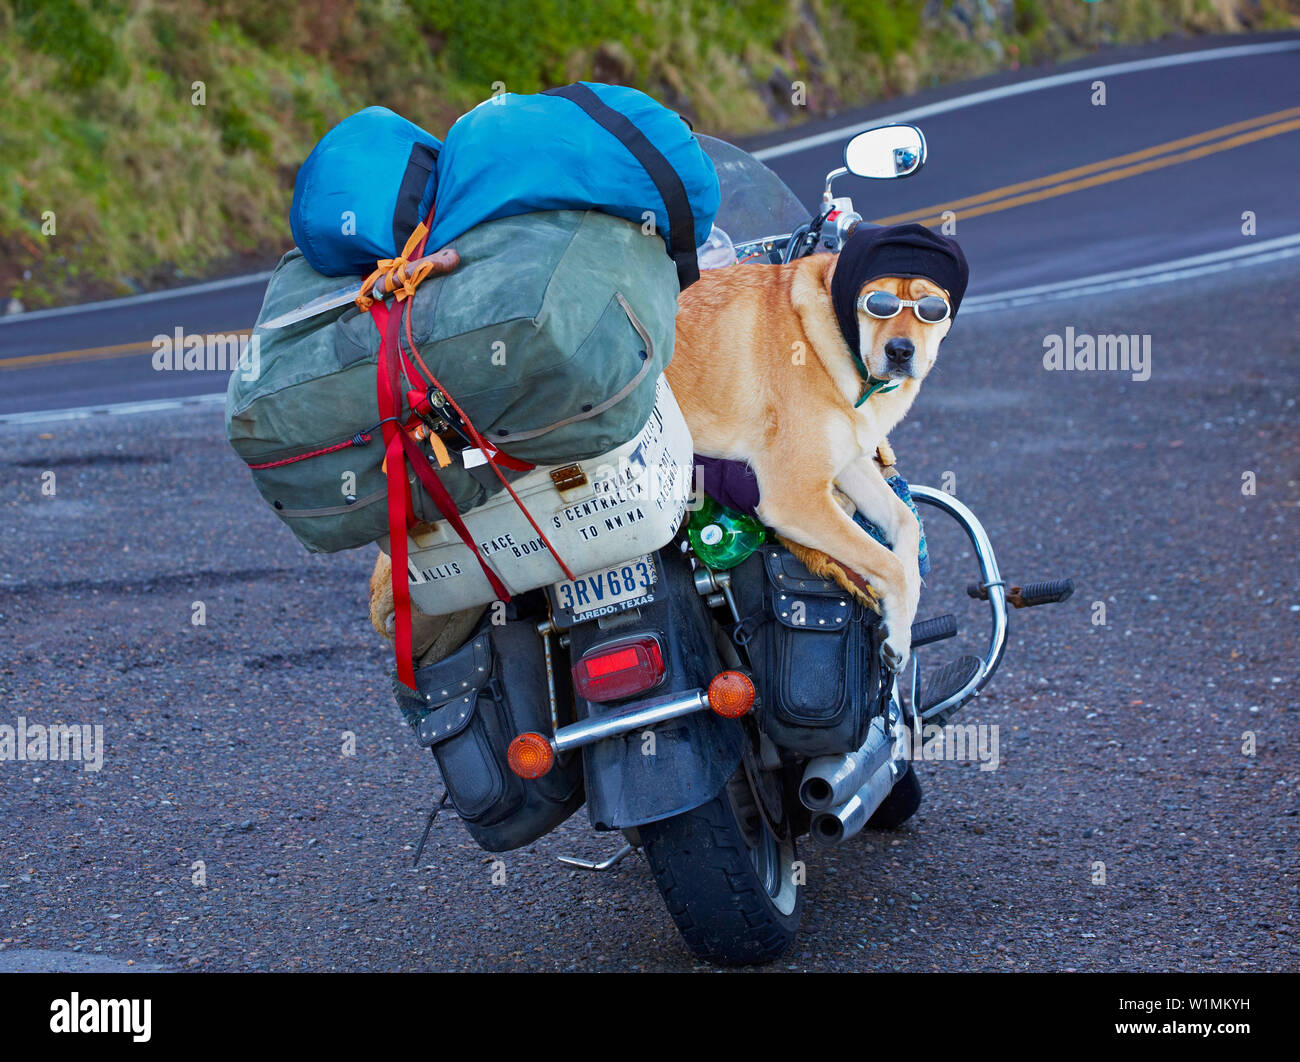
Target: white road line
{"type": "Point", "coordinates": [1097, 284]}
{"type": "Point", "coordinates": [1021, 87]}
{"type": "Point", "coordinates": [135, 300]}
{"type": "Point", "coordinates": [1140, 276]}
{"type": "Point", "coordinates": [775, 151]}
{"type": "Point", "coordinates": [114, 409]}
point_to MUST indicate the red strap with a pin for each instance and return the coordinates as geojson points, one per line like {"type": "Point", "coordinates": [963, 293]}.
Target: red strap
{"type": "Point", "coordinates": [448, 509]}
{"type": "Point", "coordinates": [399, 502]}
{"type": "Point", "coordinates": [401, 448]}
{"type": "Point", "coordinates": [360, 439]}
{"type": "Point", "coordinates": [512, 463]}
{"type": "Point", "coordinates": [506, 461]}
{"type": "Point", "coordinates": [489, 451]}
{"type": "Point", "coordinates": [389, 354]}
{"type": "Point", "coordinates": [398, 514]}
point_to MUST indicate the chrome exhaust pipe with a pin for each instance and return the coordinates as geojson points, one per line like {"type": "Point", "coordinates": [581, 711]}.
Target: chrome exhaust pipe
{"type": "Point", "coordinates": [829, 781]}
{"type": "Point", "coordinates": [840, 823]}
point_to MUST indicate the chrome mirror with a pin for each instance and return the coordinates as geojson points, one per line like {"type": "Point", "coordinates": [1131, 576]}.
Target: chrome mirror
{"type": "Point", "coordinates": [885, 152]}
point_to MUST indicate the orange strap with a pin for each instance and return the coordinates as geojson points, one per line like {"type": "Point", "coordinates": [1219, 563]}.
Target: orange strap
{"type": "Point", "coordinates": [398, 279]}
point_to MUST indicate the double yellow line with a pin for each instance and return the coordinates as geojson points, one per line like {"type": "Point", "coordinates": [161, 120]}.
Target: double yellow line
{"type": "Point", "coordinates": [120, 350]}
{"type": "Point", "coordinates": [1186, 149]}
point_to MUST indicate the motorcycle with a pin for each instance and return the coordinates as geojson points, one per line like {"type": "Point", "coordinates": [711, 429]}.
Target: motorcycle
{"type": "Point", "coordinates": [712, 707]}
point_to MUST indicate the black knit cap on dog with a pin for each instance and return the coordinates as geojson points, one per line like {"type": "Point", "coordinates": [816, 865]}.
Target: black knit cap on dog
{"type": "Point", "coordinates": [894, 251]}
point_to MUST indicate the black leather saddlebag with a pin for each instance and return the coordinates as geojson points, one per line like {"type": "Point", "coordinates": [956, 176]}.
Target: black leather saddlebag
{"type": "Point", "coordinates": [471, 704]}
{"type": "Point", "coordinates": [815, 652]}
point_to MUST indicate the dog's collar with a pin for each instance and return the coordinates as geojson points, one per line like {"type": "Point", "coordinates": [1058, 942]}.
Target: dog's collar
{"type": "Point", "coordinates": [870, 384]}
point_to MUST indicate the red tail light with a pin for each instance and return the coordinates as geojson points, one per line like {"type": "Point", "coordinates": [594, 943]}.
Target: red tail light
{"type": "Point", "coordinates": [619, 669]}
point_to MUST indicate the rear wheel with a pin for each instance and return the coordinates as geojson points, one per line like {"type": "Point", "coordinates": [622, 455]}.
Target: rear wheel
{"type": "Point", "coordinates": [728, 876]}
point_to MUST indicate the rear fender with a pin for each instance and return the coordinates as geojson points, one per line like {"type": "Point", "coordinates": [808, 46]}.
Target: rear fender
{"type": "Point", "coordinates": [678, 765]}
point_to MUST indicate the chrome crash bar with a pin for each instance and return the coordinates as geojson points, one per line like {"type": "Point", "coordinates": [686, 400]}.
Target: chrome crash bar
{"type": "Point", "coordinates": [991, 580]}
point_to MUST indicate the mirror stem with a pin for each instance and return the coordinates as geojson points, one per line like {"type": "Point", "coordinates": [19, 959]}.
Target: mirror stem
{"type": "Point", "coordinates": [827, 196]}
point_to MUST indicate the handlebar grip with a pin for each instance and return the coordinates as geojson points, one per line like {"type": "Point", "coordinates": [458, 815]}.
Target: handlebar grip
{"type": "Point", "coordinates": [1048, 592]}
{"type": "Point", "coordinates": [935, 629]}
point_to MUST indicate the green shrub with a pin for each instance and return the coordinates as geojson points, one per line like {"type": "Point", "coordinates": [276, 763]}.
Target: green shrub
{"type": "Point", "coordinates": [884, 27]}
{"type": "Point", "coordinates": [77, 34]}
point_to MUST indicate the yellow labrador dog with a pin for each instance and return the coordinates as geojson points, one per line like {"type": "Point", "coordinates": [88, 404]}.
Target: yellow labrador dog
{"type": "Point", "coordinates": [765, 372]}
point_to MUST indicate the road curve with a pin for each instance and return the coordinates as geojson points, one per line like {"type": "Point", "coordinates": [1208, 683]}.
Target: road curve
{"type": "Point", "coordinates": [1143, 813]}
{"type": "Point", "coordinates": [984, 137]}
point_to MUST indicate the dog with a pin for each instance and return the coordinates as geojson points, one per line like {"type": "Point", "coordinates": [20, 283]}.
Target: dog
{"type": "Point", "coordinates": [764, 372]}
{"type": "Point", "coordinates": [432, 637]}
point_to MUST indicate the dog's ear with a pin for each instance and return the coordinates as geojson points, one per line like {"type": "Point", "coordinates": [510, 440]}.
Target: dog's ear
{"type": "Point", "coordinates": [828, 270]}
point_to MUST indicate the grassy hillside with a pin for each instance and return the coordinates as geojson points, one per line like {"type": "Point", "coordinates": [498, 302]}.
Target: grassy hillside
{"type": "Point", "coordinates": [149, 142]}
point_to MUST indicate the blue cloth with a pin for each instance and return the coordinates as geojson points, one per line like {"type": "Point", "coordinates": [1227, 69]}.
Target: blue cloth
{"type": "Point", "coordinates": [362, 191]}
{"type": "Point", "coordinates": [899, 485]}
{"type": "Point", "coordinates": [515, 154]}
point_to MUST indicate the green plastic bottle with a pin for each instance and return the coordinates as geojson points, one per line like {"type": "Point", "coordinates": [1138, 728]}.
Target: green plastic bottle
{"type": "Point", "coordinates": [722, 537]}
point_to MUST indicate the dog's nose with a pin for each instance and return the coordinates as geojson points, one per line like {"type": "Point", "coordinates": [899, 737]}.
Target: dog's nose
{"type": "Point", "coordinates": [899, 350]}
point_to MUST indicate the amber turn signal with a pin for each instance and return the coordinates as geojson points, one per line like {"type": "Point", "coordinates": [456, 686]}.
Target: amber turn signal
{"type": "Point", "coordinates": [731, 694]}
{"type": "Point", "coordinates": [530, 755]}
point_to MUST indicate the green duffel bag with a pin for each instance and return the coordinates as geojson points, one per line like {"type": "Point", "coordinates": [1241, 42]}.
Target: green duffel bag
{"type": "Point", "coordinates": [550, 335]}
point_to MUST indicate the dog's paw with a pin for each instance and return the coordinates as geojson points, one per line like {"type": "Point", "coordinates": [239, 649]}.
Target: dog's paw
{"type": "Point", "coordinates": [885, 454]}
{"type": "Point", "coordinates": [896, 648]}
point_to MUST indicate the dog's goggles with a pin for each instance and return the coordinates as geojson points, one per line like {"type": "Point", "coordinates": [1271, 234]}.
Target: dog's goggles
{"type": "Point", "coordinates": [931, 309]}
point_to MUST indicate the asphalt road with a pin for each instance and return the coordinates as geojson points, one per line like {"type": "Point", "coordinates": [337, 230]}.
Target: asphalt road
{"type": "Point", "coordinates": [1120, 743]}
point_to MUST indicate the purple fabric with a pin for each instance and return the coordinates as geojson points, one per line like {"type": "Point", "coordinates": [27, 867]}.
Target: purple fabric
{"type": "Point", "coordinates": [732, 483]}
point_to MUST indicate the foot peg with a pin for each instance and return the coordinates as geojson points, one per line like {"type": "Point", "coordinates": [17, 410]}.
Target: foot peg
{"type": "Point", "coordinates": [924, 632]}
{"type": "Point", "coordinates": [949, 679]}
{"type": "Point", "coordinates": [1048, 592]}
{"type": "Point", "coordinates": [936, 629]}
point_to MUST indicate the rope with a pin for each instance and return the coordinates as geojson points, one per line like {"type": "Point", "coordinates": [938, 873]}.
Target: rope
{"type": "Point", "coordinates": [360, 439]}
{"type": "Point", "coordinates": [394, 272]}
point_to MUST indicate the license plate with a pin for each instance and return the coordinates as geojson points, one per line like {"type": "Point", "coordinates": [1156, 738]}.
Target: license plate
{"type": "Point", "coordinates": [603, 593]}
